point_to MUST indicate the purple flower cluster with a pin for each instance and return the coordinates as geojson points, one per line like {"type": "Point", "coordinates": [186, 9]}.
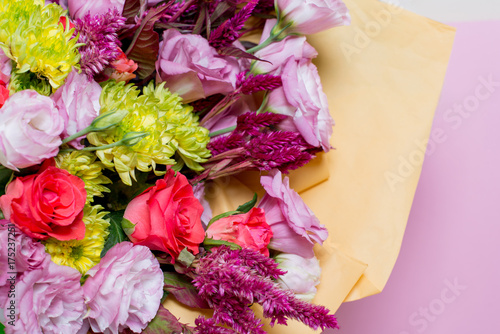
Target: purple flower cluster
{"type": "Point", "coordinates": [256, 139]}
{"type": "Point", "coordinates": [230, 30]}
{"type": "Point", "coordinates": [99, 33]}
{"type": "Point", "coordinates": [249, 84]}
{"type": "Point", "coordinates": [230, 280]}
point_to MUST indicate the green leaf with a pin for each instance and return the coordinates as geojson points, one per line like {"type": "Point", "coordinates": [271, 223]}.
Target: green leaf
{"type": "Point", "coordinates": [145, 46]}
{"type": "Point", "coordinates": [185, 257]}
{"type": "Point", "coordinates": [166, 323]}
{"type": "Point", "coordinates": [222, 215]}
{"type": "Point", "coordinates": [2, 329]}
{"type": "Point", "coordinates": [244, 208]}
{"type": "Point", "coordinates": [209, 242]}
{"type": "Point", "coordinates": [183, 290]}
{"type": "Point", "coordinates": [5, 178]}
{"type": "Point", "coordinates": [133, 8]}
{"type": "Point", "coordinates": [116, 234]}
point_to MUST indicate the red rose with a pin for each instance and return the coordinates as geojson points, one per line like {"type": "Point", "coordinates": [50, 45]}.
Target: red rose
{"type": "Point", "coordinates": [166, 216]}
{"type": "Point", "coordinates": [249, 230]}
{"type": "Point", "coordinates": [47, 204]}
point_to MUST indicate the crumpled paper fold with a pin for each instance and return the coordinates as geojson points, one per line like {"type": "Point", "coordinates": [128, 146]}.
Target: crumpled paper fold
{"type": "Point", "coordinates": [383, 76]}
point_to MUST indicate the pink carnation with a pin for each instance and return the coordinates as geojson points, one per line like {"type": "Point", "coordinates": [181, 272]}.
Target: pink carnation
{"type": "Point", "coordinates": [295, 227]}
{"type": "Point", "coordinates": [124, 290]}
{"type": "Point", "coordinates": [48, 300]}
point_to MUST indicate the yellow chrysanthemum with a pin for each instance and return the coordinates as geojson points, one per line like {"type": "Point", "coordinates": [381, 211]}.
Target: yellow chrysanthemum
{"type": "Point", "coordinates": [86, 253]}
{"type": "Point", "coordinates": [32, 36]}
{"type": "Point", "coordinates": [84, 165]}
{"type": "Point", "coordinates": [171, 127]}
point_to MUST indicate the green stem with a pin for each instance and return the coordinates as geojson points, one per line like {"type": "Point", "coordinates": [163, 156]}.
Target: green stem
{"type": "Point", "coordinates": [222, 131]}
{"type": "Point", "coordinates": [77, 135]}
{"type": "Point", "coordinates": [273, 37]}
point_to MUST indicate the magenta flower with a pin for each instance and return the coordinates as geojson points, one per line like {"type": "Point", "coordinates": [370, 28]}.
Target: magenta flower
{"type": "Point", "coordinates": [295, 227]}
{"type": "Point", "coordinates": [48, 300]}
{"type": "Point", "coordinates": [124, 290]}
{"type": "Point", "coordinates": [78, 103]}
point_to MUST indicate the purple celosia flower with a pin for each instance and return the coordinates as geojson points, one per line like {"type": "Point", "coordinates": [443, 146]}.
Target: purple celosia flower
{"type": "Point", "coordinates": [251, 123]}
{"type": "Point", "coordinates": [264, 7]}
{"type": "Point", "coordinates": [99, 33]}
{"type": "Point", "coordinates": [229, 31]}
{"type": "Point", "coordinates": [124, 290]}
{"type": "Point", "coordinates": [229, 281]}
{"type": "Point", "coordinates": [257, 83]}
{"type": "Point", "coordinates": [295, 227]}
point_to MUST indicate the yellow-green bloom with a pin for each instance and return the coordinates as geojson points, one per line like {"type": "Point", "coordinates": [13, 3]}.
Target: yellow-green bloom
{"type": "Point", "coordinates": [84, 165]}
{"type": "Point", "coordinates": [32, 36]}
{"type": "Point", "coordinates": [86, 253]}
{"type": "Point", "coordinates": [171, 127]}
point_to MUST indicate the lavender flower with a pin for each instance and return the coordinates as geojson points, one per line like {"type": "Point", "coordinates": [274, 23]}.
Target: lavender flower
{"type": "Point", "coordinates": [232, 279]}
{"type": "Point", "coordinates": [99, 33]}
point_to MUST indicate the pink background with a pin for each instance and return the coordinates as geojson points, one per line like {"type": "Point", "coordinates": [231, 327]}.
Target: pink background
{"type": "Point", "coordinates": [447, 277]}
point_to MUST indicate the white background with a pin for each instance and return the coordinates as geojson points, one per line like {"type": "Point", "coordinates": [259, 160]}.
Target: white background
{"type": "Point", "coordinates": [447, 11]}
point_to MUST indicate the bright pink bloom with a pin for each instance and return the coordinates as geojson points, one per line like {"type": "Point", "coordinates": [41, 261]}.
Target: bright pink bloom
{"type": "Point", "coordinates": [249, 230]}
{"type": "Point", "coordinates": [49, 203]}
{"type": "Point", "coordinates": [166, 217]}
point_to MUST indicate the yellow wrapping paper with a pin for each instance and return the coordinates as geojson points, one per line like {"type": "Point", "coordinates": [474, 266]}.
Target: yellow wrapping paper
{"type": "Point", "coordinates": [383, 75]}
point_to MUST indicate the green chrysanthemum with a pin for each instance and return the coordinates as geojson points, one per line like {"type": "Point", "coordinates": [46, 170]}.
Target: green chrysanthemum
{"type": "Point", "coordinates": [32, 36]}
{"type": "Point", "coordinates": [28, 80]}
{"type": "Point", "coordinates": [171, 127]}
{"type": "Point", "coordinates": [86, 253]}
{"type": "Point", "coordinates": [84, 165]}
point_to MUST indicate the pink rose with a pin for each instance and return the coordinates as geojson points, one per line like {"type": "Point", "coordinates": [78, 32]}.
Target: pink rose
{"type": "Point", "coordinates": [192, 68]}
{"type": "Point", "coordinates": [295, 227]}
{"type": "Point", "coordinates": [312, 16]}
{"type": "Point", "coordinates": [78, 103]}
{"type": "Point", "coordinates": [124, 290]}
{"type": "Point", "coordinates": [302, 97]}
{"type": "Point", "coordinates": [79, 8]}
{"type": "Point", "coordinates": [48, 300]}
{"type": "Point", "coordinates": [278, 53]}
{"type": "Point", "coordinates": [49, 203]}
{"type": "Point", "coordinates": [249, 230]}
{"type": "Point", "coordinates": [166, 217]}
{"type": "Point", "coordinates": [30, 128]}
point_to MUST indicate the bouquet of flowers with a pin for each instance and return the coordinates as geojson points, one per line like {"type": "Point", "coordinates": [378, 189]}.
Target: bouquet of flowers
{"type": "Point", "coordinates": [114, 117]}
